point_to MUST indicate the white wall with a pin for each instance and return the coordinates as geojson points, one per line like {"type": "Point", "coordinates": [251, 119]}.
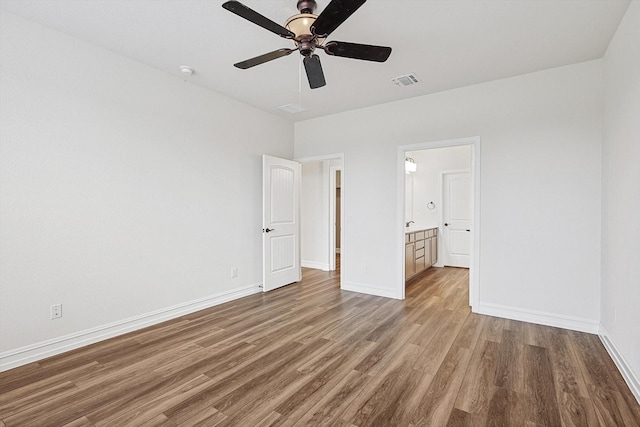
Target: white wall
{"type": "Point", "coordinates": [540, 188]}
{"type": "Point", "coordinates": [124, 191]}
{"type": "Point", "coordinates": [314, 216]}
{"type": "Point", "coordinates": [425, 182]}
{"type": "Point", "coordinates": [621, 197]}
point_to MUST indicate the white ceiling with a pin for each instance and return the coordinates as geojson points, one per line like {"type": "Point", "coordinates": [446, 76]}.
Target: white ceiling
{"type": "Point", "coordinates": [447, 43]}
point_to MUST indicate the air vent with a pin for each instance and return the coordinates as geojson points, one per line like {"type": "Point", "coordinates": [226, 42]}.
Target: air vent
{"type": "Point", "coordinates": [406, 80]}
{"type": "Point", "coordinates": [292, 108]}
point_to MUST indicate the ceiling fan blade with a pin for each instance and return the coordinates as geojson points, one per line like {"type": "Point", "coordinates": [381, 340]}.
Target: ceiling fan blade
{"type": "Point", "coordinates": [263, 58]}
{"type": "Point", "coordinates": [333, 15]}
{"type": "Point", "coordinates": [314, 71]}
{"type": "Point", "coordinates": [358, 51]}
{"type": "Point", "coordinates": [253, 16]}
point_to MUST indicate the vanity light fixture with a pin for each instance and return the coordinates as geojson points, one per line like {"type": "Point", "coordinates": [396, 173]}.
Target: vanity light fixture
{"type": "Point", "coordinates": [410, 165]}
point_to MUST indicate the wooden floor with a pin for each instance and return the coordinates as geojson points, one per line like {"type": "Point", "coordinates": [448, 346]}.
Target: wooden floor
{"type": "Point", "coordinates": [310, 354]}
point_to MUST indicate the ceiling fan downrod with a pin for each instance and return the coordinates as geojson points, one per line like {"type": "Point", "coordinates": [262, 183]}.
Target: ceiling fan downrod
{"type": "Point", "coordinates": [306, 6]}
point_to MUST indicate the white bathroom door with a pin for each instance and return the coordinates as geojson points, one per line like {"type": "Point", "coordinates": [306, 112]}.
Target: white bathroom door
{"type": "Point", "coordinates": [280, 222]}
{"type": "Point", "coordinates": [456, 215]}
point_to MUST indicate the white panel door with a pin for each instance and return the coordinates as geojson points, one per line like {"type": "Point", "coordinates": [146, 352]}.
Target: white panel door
{"type": "Point", "coordinates": [456, 215]}
{"type": "Point", "coordinates": [280, 222]}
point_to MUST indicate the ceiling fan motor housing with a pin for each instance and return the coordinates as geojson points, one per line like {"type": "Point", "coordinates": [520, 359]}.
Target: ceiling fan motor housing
{"type": "Point", "coordinates": [307, 45]}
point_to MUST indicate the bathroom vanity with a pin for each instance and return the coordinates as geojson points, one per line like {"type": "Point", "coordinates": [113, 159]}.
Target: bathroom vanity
{"type": "Point", "coordinates": [421, 250]}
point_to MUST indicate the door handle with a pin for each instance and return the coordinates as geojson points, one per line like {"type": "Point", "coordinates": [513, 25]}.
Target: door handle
{"type": "Point", "coordinates": [266, 230]}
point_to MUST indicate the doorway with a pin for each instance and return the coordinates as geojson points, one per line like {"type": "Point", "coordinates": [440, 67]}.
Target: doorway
{"type": "Point", "coordinates": [421, 202]}
{"type": "Point", "coordinates": [322, 211]}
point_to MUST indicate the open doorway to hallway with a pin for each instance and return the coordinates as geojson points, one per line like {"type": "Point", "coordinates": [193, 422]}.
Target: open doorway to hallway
{"type": "Point", "coordinates": [321, 212]}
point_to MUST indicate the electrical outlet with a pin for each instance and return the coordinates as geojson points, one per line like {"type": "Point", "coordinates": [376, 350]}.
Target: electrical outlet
{"type": "Point", "coordinates": [234, 272]}
{"type": "Point", "coordinates": [55, 311]}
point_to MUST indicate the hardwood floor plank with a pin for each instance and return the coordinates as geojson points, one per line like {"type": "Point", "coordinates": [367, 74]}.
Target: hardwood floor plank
{"type": "Point", "coordinates": [158, 421]}
{"type": "Point", "coordinates": [380, 403]}
{"type": "Point", "coordinates": [438, 347]}
{"type": "Point", "coordinates": [478, 384]}
{"type": "Point", "coordinates": [194, 364]}
{"type": "Point", "coordinates": [34, 382]}
{"type": "Point", "coordinates": [470, 331]}
{"type": "Point", "coordinates": [439, 398]}
{"type": "Point", "coordinates": [460, 418]}
{"type": "Point", "coordinates": [429, 327]}
{"type": "Point", "coordinates": [227, 381]}
{"type": "Point", "coordinates": [507, 408]}
{"type": "Point", "coordinates": [324, 380]}
{"type": "Point", "coordinates": [576, 411]}
{"type": "Point", "coordinates": [328, 409]}
{"type": "Point", "coordinates": [540, 388]}
{"type": "Point", "coordinates": [385, 351]}
{"type": "Point", "coordinates": [207, 417]}
{"type": "Point", "coordinates": [80, 422]}
{"type": "Point", "coordinates": [566, 366]}
{"type": "Point", "coordinates": [492, 330]}
{"type": "Point", "coordinates": [269, 382]}
{"type": "Point", "coordinates": [149, 410]}
{"type": "Point", "coordinates": [311, 354]}
{"type": "Point", "coordinates": [509, 371]}
{"type": "Point", "coordinates": [28, 399]}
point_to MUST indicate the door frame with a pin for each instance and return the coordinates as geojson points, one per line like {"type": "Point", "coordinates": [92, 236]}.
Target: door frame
{"type": "Point", "coordinates": [474, 264]}
{"type": "Point", "coordinates": [333, 195]}
{"type": "Point", "coordinates": [327, 193]}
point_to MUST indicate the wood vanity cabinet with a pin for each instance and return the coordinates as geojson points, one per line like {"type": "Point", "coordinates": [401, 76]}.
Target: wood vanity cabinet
{"type": "Point", "coordinates": [421, 251]}
{"type": "Point", "coordinates": [410, 259]}
{"type": "Point", "coordinates": [434, 247]}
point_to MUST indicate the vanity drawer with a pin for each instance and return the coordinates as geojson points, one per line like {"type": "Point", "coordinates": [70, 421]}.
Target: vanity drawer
{"type": "Point", "coordinates": [420, 244]}
{"type": "Point", "coordinates": [419, 235]}
{"type": "Point", "coordinates": [420, 252]}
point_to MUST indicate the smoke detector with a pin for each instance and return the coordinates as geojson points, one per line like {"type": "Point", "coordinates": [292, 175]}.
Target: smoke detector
{"type": "Point", "coordinates": [187, 70]}
{"type": "Point", "coordinates": [406, 80]}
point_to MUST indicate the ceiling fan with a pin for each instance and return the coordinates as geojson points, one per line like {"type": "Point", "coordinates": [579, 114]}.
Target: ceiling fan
{"type": "Point", "coordinates": [308, 32]}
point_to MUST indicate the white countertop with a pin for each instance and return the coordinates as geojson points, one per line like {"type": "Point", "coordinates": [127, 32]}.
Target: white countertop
{"type": "Point", "coordinates": [418, 228]}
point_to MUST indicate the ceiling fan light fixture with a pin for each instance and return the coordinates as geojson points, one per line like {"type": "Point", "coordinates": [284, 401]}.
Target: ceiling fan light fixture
{"type": "Point", "coordinates": [300, 25]}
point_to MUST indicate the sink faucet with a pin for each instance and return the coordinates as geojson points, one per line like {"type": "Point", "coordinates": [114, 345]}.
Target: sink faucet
{"type": "Point", "coordinates": [409, 223]}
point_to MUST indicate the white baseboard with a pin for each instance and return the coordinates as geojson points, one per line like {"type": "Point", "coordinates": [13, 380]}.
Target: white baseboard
{"type": "Point", "coordinates": [370, 290]}
{"type": "Point", "coordinates": [316, 265]}
{"type": "Point", "coordinates": [38, 351]}
{"type": "Point", "coordinates": [627, 373]}
{"type": "Point", "coordinates": [539, 317]}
